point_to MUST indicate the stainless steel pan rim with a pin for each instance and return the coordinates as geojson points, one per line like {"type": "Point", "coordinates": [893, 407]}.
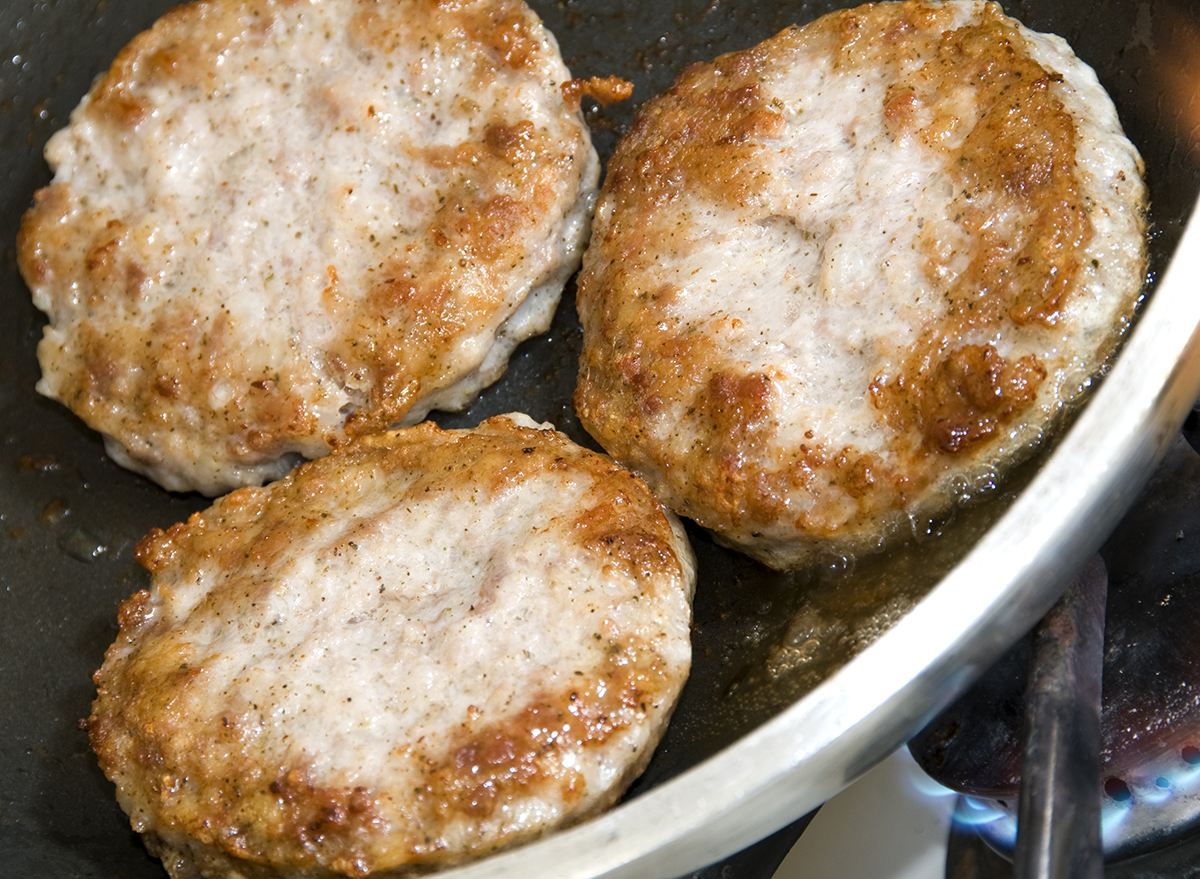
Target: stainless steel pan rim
{"type": "Point", "coordinates": [795, 762]}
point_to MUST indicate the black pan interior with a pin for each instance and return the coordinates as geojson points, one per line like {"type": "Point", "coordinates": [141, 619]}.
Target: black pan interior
{"type": "Point", "coordinates": [70, 518]}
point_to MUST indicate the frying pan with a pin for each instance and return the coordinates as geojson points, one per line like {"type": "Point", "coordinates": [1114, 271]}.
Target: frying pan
{"type": "Point", "coordinates": [801, 681]}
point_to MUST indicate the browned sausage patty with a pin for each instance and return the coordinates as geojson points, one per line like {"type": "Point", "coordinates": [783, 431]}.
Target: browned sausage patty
{"type": "Point", "coordinates": [421, 648]}
{"type": "Point", "coordinates": [270, 219]}
{"type": "Point", "coordinates": [842, 277]}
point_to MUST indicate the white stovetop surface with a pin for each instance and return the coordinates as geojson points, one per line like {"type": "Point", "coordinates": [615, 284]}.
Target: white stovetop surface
{"type": "Point", "coordinates": [892, 823]}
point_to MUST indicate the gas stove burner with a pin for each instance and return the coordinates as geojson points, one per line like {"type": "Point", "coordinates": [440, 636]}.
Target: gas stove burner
{"type": "Point", "coordinates": [1149, 804]}
{"type": "Point", "coordinates": [1150, 720]}
{"type": "Point", "coordinates": [970, 856]}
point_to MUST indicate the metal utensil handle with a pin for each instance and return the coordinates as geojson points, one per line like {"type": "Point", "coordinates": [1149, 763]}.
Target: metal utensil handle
{"type": "Point", "coordinates": [1058, 822]}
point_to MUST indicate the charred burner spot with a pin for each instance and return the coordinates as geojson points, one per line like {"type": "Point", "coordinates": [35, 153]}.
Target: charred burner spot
{"type": "Point", "coordinates": [939, 742]}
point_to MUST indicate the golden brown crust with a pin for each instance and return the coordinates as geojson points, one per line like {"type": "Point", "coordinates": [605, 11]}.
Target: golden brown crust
{"type": "Point", "coordinates": [694, 392]}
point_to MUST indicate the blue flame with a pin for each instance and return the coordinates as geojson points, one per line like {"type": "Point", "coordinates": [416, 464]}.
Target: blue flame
{"type": "Point", "coordinates": [1157, 792]}
{"type": "Point", "coordinates": [1127, 803]}
{"type": "Point", "coordinates": [925, 786]}
{"type": "Point", "coordinates": [974, 812]}
{"type": "Point", "coordinates": [1113, 816]}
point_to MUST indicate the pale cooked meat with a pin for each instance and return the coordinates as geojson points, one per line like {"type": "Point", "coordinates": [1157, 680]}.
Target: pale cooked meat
{"type": "Point", "coordinates": [421, 648]}
{"type": "Point", "coordinates": [270, 218]}
{"type": "Point", "coordinates": [845, 276]}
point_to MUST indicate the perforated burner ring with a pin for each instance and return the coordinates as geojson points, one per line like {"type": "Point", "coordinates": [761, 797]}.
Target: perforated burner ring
{"type": "Point", "coordinates": [1150, 756]}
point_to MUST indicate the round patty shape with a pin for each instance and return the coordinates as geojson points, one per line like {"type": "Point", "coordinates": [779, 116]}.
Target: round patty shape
{"type": "Point", "coordinates": [274, 221]}
{"type": "Point", "coordinates": [421, 648]}
{"type": "Point", "coordinates": [840, 278]}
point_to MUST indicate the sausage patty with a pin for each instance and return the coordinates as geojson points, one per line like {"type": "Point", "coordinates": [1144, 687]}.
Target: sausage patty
{"type": "Point", "coordinates": [840, 278]}
{"type": "Point", "coordinates": [276, 221]}
{"type": "Point", "coordinates": [421, 648]}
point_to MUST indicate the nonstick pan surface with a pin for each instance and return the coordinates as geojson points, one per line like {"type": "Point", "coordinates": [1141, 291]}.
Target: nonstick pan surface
{"type": "Point", "coordinates": [761, 735]}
